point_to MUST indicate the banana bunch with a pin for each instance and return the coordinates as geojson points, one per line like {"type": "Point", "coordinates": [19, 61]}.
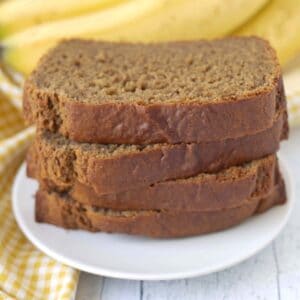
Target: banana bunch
{"type": "Point", "coordinates": [30, 27]}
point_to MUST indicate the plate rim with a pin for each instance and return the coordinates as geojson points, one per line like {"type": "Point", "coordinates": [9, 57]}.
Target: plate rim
{"type": "Point", "coordinates": [286, 173]}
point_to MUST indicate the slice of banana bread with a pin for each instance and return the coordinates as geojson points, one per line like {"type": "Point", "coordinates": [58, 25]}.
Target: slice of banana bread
{"type": "Point", "coordinates": [200, 91]}
{"type": "Point", "coordinates": [61, 210]}
{"type": "Point", "coordinates": [205, 192]}
{"type": "Point", "coordinates": [112, 168]}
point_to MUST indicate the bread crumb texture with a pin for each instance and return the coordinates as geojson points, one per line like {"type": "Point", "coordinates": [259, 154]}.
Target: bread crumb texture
{"type": "Point", "coordinates": [90, 71]}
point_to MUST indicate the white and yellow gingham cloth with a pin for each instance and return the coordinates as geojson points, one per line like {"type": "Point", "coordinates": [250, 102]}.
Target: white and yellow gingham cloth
{"type": "Point", "coordinates": [25, 272]}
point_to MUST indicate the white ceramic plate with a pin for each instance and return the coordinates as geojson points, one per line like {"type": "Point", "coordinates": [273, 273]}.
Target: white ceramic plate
{"type": "Point", "coordinates": [131, 257]}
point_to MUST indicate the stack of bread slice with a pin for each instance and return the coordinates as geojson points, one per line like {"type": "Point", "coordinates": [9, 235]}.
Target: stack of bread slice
{"type": "Point", "coordinates": [162, 140]}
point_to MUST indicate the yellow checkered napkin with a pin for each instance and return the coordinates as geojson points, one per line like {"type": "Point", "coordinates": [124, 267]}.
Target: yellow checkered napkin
{"type": "Point", "coordinates": [25, 272]}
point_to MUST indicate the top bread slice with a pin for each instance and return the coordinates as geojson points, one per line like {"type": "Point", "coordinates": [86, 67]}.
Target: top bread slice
{"type": "Point", "coordinates": [200, 91]}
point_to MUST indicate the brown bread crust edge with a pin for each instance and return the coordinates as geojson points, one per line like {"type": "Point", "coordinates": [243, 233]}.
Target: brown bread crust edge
{"type": "Point", "coordinates": [223, 190]}
{"type": "Point", "coordinates": [62, 211]}
{"type": "Point", "coordinates": [130, 123]}
{"type": "Point", "coordinates": [155, 164]}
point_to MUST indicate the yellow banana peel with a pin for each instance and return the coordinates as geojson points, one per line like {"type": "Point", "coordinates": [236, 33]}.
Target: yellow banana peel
{"type": "Point", "coordinates": [17, 15]}
{"type": "Point", "coordinates": [278, 22]}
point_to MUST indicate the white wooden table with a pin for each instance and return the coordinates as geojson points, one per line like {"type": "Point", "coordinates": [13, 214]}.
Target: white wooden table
{"type": "Point", "coordinates": [272, 274]}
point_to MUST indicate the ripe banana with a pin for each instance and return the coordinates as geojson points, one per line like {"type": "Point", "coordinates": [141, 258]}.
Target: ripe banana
{"type": "Point", "coordinates": [188, 20]}
{"type": "Point", "coordinates": [134, 20]}
{"type": "Point", "coordinates": [16, 15]}
{"type": "Point", "coordinates": [279, 22]}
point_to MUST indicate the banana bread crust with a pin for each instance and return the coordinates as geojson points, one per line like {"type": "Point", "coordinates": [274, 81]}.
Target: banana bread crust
{"type": "Point", "coordinates": [205, 192]}
{"type": "Point", "coordinates": [63, 165]}
{"type": "Point", "coordinates": [63, 211]}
